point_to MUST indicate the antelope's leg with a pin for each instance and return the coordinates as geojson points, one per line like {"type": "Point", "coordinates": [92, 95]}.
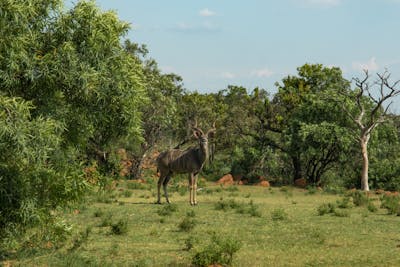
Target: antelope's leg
{"type": "Point", "coordinates": [160, 182]}
{"type": "Point", "coordinates": [191, 180]}
{"type": "Point", "coordinates": [195, 189]}
{"type": "Point", "coordinates": [165, 183]}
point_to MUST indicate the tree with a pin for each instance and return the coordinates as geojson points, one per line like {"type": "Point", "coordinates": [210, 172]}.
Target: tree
{"type": "Point", "coordinates": [370, 112]}
{"type": "Point", "coordinates": [161, 113]}
{"type": "Point", "coordinates": [74, 69]}
{"type": "Point", "coordinates": [33, 178]}
{"type": "Point", "coordinates": [313, 130]}
{"type": "Point", "coordinates": [68, 91]}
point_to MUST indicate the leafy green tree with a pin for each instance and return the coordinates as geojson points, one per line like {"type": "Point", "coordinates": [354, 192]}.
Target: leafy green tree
{"type": "Point", "coordinates": [73, 68]}
{"type": "Point", "coordinates": [69, 90]}
{"type": "Point", "coordinates": [33, 178]}
{"type": "Point", "coordinates": [161, 117]}
{"type": "Point", "coordinates": [314, 129]}
{"type": "Point", "coordinates": [384, 158]}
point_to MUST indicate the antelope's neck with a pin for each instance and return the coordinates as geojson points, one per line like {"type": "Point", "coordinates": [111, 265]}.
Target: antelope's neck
{"type": "Point", "coordinates": [204, 151]}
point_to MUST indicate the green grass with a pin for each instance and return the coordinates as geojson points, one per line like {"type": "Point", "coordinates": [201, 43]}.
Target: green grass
{"type": "Point", "coordinates": [287, 230]}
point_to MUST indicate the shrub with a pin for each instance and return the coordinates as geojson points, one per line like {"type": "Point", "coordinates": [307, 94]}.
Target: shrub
{"type": "Point", "coordinates": [37, 174]}
{"type": "Point", "coordinates": [239, 207]}
{"type": "Point", "coordinates": [219, 251]}
{"type": "Point", "coordinates": [167, 210]}
{"type": "Point", "coordinates": [371, 207]}
{"type": "Point", "coordinates": [326, 208]}
{"type": "Point", "coordinates": [191, 213]}
{"type": "Point", "coordinates": [98, 213]}
{"type": "Point", "coordinates": [81, 238]}
{"type": "Point", "coordinates": [279, 215]}
{"type": "Point", "coordinates": [359, 198]}
{"type": "Point", "coordinates": [391, 203]}
{"type": "Point", "coordinates": [311, 190]}
{"type": "Point", "coordinates": [341, 213]}
{"type": "Point", "coordinates": [344, 203]}
{"type": "Point", "coordinates": [189, 243]}
{"type": "Point", "coordinates": [253, 210]}
{"type": "Point", "coordinates": [187, 224]}
{"type": "Point", "coordinates": [226, 204]}
{"type": "Point", "coordinates": [107, 220]}
{"type": "Point", "coordinates": [127, 193]}
{"type": "Point", "coordinates": [120, 227]}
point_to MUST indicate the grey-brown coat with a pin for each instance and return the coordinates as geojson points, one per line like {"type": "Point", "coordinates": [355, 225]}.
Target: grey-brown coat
{"type": "Point", "coordinates": [189, 161]}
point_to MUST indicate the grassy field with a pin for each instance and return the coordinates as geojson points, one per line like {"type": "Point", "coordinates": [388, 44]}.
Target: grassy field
{"type": "Point", "coordinates": [267, 227]}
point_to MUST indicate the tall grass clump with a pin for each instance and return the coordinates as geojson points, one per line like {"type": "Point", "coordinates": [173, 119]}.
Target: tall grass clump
{"type": "Point", "coordinates": [167, 210]}
{"type": "Point", "coordinates": [359, 198]}
{"type": "Point", "coordinates": [120, 227]}
{"type": "Point", "coordinates": [391, 202]}
{"type": "Point", "coordinates": [187, 224]}
{"type": "Point", "coordinates": [279, 214]}
{"type": "Point", "coordinates": [220, 250]}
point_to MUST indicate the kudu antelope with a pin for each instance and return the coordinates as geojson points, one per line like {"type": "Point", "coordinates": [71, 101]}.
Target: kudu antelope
{"type": "Point", "coordinates": [189, 161]}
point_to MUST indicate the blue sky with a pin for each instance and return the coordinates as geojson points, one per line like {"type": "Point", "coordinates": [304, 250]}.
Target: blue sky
{"type": "Point", "coordinates": [214, 43]}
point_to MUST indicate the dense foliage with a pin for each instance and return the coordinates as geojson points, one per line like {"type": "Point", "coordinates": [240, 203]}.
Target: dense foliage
{"type": "Point", "coordinates": [73, 91]}
{"type": "Point", "coordinates": [68, 91]}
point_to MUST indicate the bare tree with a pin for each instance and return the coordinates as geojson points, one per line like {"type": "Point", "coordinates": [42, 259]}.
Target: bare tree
{"type": "Point", "coordinates": [189, 161]}
{"type": "Point", "coordinates": [369, 114]}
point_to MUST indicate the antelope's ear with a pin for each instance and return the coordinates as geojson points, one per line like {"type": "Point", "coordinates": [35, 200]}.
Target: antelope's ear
{"type": "Point", "coordinates": [196, 134]}
{"type": "Point", "coordinates": [211, 134]}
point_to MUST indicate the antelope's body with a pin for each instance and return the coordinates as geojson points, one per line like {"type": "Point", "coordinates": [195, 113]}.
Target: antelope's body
{"type": "Point", "coordinates": [189, 161]}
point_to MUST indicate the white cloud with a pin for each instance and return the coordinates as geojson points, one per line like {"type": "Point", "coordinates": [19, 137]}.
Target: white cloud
{"type": "Point", "coordinates": [370, 65]}
{"type": "Point", "coordinates": [206, 13]}
{"type": "Point", "coordinates": [262, 73]}
{"type": "Point", "coordinates": [228, 75]}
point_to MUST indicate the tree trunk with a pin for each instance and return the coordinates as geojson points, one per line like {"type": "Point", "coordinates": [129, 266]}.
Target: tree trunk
{"type": "Point", "coordinates": [297, 172]}
{"type": "Point", "coordinates": [365, 162]}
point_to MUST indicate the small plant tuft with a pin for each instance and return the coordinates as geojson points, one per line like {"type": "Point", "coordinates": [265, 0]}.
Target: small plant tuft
{"type": "Point", "coordinates": [279, 215]}
{"type": "Point", "coordinates": [341, 213]}
{"type": "Point", "coordinates": [359, 198]}
{"type": "Point", "coordinates": [120, 227]}
{"type": "Point", "coordinates": [391, 203]}
{"type": "Point", "coordinates": [167, 210]}
{"type": "Point", "coordinates": [187, 224]}
{"type": "Point", "coordinates": [326, 208]}
{"type": "Point", "coordinates": [219, 251]}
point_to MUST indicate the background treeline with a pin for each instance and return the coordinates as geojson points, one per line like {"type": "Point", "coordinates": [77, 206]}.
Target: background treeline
{"type": "Point", "coordinates": [73, 91]}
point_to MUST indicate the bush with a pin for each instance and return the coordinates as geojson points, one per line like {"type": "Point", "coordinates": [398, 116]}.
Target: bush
{"type": "Point", "coordinates": [326, 208]}
{"type": "Point", "coordinates": [219, 251]}
{"type": "Point", "coordinates": [279, 215]}
{"type": "Point", "coordinates": [98, 213]}
{"type": "Point", "coordinates": [344, 203]}
{"type": "Point", "coordinates": [226, 204]}
{"type": "Point", "coordinates": [107, 220]}
{"type": "Point", "coordinates": [341, 213]}
{"type": "Point", "coordinates": [191, 214]}
{"type": "Point", "coordinates": [371, 207]}
{"type": "Point", "coordinates": [127, 193]}
{"type": "Point", "coordinates": [240, 208]}
{"type": "Point", "coordinates": [359, 198]}
{"type": "Point", "coordinates": [391, 203]}
{"type": "Point", "coordinates": [187, 224]}
{"type": "Point", "coordinates": [167, 210]}
{"type": "Point", "coordinates": [120, 228]}
{"type": "Point", "coordinates": [37, 175]}
{"type": "Point", "coordinates": [81, 238]}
